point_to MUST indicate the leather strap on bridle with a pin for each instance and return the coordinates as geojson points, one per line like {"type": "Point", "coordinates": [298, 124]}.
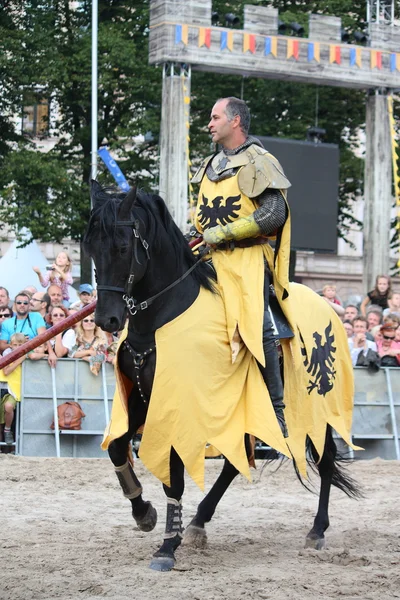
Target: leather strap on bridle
{"type": "Point", "coordinates": [127, 290]}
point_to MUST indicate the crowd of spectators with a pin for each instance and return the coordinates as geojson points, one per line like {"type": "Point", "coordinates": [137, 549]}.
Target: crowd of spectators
{"type": "Point", "coordinates": [373, 327]}
{"type": "Point", "coordinates": [29, 314]}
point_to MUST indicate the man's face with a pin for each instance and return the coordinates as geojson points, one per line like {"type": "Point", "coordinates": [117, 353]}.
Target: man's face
{"type": "Point", "coordinates": [220, 128]}
{"type": "Point", "coordinates": [85, 297]}
{"type": "Point", "coordinates": [350, 313]}
{"type": "Point", "coordinates": [36, 301]}
{"type": "Point", "coordinates": [373, 320]}
{"type": "Point", "coordinates": [4, 299]}
{"type": "Point", "coordinates": [22, 305]}
{"type": "Point", "coordinates": [55, 295]}
{"type": "Point", "coordinates": [359, 326]}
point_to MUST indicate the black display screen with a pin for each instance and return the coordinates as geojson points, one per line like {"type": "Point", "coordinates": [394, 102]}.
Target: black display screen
{"type": "Point", "coordinates": [313, 171]}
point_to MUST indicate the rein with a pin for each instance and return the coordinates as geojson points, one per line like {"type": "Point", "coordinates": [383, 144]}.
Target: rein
{"type": "Point", "coordinates": [131, 304]}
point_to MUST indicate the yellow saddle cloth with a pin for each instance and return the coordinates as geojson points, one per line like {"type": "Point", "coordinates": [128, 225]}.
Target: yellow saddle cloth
{"type": "Point", "coordinates": [201, 396]}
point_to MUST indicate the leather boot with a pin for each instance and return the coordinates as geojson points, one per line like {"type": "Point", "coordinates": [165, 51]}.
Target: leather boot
{"type": "Point", "coordinates": [271, 372]}
{"type": "Point", "coordinates": [272, 377]}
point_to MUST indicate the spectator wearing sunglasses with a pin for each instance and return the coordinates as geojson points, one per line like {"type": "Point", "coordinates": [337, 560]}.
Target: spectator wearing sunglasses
{"type": "Point", "coordinates": [25, 322]}
{"type": "Point", "coordinates": [5, 313]}
{"type": "Point", "coordinates": [63, 342]}
{"type": "Point", "coordinates": [91, 344]}
{"type": "Point", "coordinates": [388, 348]}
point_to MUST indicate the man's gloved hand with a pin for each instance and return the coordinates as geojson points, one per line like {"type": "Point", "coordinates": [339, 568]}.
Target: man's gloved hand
{"type": "Point", "coordinates": [243, 228]}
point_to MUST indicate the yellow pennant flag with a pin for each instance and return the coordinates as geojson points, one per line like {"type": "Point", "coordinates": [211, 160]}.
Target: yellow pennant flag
{"type": "Point", "coordinates": [202, 36]}
{"type": "Point", "coordinates": [185, 34]}
{"type": "Point", "coordinates": [229, 43]}
{"type": "Point", "coordinates": [289, 51]}
{"type": "Point", "coordinates": [317, 51]}
{"type": "Point", "coordinates": [274, 46]}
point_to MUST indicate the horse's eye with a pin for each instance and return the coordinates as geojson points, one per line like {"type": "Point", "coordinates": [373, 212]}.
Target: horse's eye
{"type": "Point", "coordinates": [124, 250]}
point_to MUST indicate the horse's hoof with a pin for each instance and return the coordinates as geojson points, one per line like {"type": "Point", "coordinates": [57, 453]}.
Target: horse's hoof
{"type": "Point", "coordinates": [149, 520]}
{"type": "Point", "coordinates": [162, 563]}
{"type": "Point", "coordinates": [195, 536]}
{"type": "Point", "coordinates": [315, 543]}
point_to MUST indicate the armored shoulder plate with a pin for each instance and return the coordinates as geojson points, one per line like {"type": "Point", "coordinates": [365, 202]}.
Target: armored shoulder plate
{"type": "Point", "coordinates": [198, 176]}
{"type": "Point", "coordinates": [262, 171]}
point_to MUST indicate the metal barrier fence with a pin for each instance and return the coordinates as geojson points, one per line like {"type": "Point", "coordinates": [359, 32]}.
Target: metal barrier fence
{"type": "Point", "coordinates": [43, 389]}
{"type": "Point", "coordinates": [375, 422]}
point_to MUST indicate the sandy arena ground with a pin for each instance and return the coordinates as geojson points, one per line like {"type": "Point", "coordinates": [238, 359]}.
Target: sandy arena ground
{"type": "Point", "coordinates": [67, 532]}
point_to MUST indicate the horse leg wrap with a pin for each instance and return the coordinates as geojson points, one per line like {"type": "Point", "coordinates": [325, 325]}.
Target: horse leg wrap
{"type": "Point", "coordinates": [173, 525]}
{"type": "Point", "coordinates": [128, 481]}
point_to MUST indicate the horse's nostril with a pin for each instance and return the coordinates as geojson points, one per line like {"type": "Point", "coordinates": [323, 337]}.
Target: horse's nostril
{"type": "Point", "coordinates": [112, 324]}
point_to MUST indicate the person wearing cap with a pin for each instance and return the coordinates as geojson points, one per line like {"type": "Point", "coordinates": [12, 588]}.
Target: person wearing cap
{"type": "Point", "coordinates": [85, 296]}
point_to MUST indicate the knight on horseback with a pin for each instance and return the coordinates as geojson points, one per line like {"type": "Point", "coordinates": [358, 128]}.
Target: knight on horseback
{"type": "Point", "coordinates": [242, 204]}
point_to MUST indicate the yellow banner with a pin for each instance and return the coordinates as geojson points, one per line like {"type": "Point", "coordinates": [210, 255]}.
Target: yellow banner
{"type": "Point", "coordinates": [317, 51]}
{"type": "Point", "coordinates": [274, 46]}
{"type": "Point", "coordinates": [202, 36]}
{"type": "Point", "coordinates": [185, 34]}
{"type": "Point", "coordinates": [289, 52]}
{"type": "Point", "coordinates": [246, 42]}
{"type": "Point", "coordinates": [229, 43]}
{"type": "Point", "coordinates": [358, 57]}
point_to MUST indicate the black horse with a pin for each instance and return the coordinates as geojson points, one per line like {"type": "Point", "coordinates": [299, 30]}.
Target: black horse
{"type": "Point", "coordinates": [137, 249]}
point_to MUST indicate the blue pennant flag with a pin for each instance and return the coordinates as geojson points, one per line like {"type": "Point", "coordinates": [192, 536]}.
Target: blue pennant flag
{"type": "Point", "coordinates": [114, 169]}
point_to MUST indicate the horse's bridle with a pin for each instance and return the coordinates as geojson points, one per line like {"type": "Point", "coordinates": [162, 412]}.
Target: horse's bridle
{"type": "Point", "coordinates": [127, 290]}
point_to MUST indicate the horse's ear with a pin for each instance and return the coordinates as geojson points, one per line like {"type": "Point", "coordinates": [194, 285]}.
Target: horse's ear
{"type": "Point", "coordinates": [125, 210]}
{"type": "Point", "coordinates": [95, 192]}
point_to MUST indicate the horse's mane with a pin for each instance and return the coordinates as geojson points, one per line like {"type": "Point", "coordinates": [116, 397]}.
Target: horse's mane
{"type": "Point", "coordinates": [153, 213]}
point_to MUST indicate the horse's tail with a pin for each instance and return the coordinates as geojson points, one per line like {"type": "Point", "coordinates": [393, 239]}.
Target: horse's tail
{"type": "Point", "coordinates": [333, 463]}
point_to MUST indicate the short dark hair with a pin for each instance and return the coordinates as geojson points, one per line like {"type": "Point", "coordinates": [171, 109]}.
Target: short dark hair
{"type": "Point", "coordinates": [5, 289]}
{"type": "Point", "coordinates": [23, 293]}
{"type": "Point", "coordinates": [46, 298]}
{"type": "Point", "coordinates": [360, 318]}
{"type": "Point", "coordinates": [236, 107]}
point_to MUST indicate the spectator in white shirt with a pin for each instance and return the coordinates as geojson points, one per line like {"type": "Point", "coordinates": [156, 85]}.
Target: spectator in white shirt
{"type": "Point", "coordinates": [359, 342]}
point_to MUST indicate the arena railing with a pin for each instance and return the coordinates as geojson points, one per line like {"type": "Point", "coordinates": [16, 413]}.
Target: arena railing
{"type": "Point", "coordinates": [375, 418]}
{"type": "Point", "coordinates": [376, 413]}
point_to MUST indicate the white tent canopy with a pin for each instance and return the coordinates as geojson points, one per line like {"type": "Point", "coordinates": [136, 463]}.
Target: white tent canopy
{"type": "Point", "coordinates": [16, 269]}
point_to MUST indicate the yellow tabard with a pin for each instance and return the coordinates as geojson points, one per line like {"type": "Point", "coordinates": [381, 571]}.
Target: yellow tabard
{"type": "Point", "coordinates": [241, 271]}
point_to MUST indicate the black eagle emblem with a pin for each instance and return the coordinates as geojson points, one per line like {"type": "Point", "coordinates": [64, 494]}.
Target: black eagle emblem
{"type": "Point", "coordinates": [214, 213]}
{"type": "Point", "coordinates": [320, 365]}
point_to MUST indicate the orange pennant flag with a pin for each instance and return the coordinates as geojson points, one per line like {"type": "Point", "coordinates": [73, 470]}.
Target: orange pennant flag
{"type": "Point", "coordinates": [249, 42]}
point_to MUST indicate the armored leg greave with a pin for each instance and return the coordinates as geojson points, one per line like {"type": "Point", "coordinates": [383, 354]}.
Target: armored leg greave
{"type": "Point", "coordinates": [271, 372]}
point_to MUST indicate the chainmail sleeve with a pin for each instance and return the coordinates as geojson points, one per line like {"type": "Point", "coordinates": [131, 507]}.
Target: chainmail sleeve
{"type": "Point", "coordinates": [272, 212]}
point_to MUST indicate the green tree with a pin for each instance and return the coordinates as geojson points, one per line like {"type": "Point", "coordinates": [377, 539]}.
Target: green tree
{"type": "Point", "coordinates": [50, 44]}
